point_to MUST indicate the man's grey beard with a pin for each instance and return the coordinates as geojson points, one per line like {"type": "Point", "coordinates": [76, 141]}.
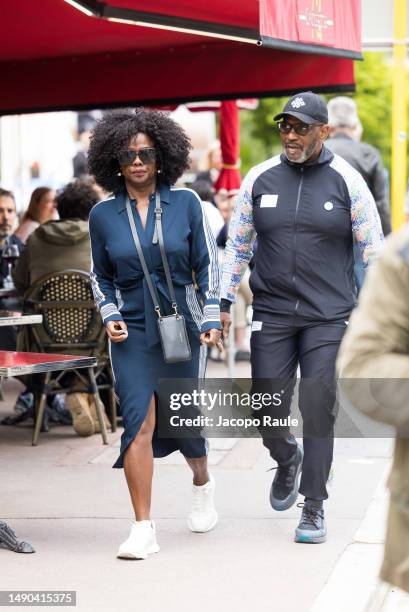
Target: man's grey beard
{"type": "Point", "coordinates": [305, 155]}
{"type": "Point", "coordinates": [300, 160]}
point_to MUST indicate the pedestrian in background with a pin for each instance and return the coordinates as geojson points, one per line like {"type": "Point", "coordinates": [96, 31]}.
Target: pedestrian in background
{"type": "Point", "coordinates": [139, 156]}
{"type": "Point", "coordinates": [210, 166]}
{"type": "Point", "coordinates": [345, 135]}
{"type": "Point", "coordinates": [214, 216]}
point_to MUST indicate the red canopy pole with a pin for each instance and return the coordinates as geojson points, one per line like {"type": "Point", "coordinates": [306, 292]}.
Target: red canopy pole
{"type": "Point", "coordinates": [229, 178]}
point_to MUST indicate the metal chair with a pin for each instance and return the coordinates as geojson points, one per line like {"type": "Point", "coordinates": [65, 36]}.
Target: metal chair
{"type": "Point", "coordinates": [71, 324]}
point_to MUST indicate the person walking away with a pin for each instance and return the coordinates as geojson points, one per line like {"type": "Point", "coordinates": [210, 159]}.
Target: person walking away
{"type": "Point", "coordinates": [345, 135]}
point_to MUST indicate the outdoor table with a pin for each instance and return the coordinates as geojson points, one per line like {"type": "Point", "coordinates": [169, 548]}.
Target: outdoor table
{"type": "Point", "coordinates": [10, 317]}
{"type": "Point", "coordinates": [14, 363]}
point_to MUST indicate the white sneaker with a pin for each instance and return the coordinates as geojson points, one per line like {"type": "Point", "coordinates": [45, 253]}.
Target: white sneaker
{"type": "Point", "coordinates": [141, 541]}
{"type": "Point", "coordinates": [203, 516]}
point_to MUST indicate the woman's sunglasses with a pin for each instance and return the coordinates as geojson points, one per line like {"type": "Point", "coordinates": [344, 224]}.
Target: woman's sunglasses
{"type": "Point", "coordinates": [146, 156]}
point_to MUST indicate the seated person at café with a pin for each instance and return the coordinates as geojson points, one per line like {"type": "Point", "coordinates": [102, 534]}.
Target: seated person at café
{"type": "Point", "coordinates": [8, 218]}
{"type": "Point", "coordinates": [41, 208]}
{"type": "Point", "coordinates": [59, 245]}
{"type": "Point", "coordinates": [8, 222]}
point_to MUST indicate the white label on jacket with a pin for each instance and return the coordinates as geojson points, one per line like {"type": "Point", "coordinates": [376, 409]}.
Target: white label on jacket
{"type": "Point", "coordinates": [268, 201]}
{"type": "Point", "coordinates": [256, 326]}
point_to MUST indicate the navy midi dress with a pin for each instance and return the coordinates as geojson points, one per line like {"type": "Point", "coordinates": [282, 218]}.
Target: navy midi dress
{"type": "Point", "coordinates": [121, 293]}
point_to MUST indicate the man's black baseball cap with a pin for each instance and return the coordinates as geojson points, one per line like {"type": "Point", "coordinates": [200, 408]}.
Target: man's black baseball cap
{"type": "Point", "coordinates": [306, 106]}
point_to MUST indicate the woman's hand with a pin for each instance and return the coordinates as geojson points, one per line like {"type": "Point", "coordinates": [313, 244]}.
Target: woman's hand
{"type": "Point", "coordinates": [212, 337]}
{"type": "Point", "coordinates": [117, 331]}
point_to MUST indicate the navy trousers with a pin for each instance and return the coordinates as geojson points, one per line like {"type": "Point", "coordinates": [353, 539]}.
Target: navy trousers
{"type": "Point", "coordinates": [276, 351]}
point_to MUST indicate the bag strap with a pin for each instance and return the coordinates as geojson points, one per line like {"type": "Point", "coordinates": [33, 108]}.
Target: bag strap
{"type": "Point", "coordinates": [158, 227]}
{"type": "Point", "coordinates": [152, 288]}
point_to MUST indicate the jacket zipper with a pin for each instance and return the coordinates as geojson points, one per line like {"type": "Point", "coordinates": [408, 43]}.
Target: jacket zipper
{"type": "Point", "coordinates": [295, 234]}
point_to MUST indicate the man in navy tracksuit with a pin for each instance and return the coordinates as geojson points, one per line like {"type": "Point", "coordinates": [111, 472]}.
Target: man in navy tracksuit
{"type": "Point", "coordinates": [305, 206]}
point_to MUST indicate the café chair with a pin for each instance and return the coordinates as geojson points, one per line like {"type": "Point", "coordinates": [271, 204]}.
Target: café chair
{"type": "Point", "coordinates": [71, 325]}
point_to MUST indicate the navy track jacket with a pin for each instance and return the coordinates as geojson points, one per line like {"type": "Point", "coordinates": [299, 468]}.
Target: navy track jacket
{"type": "Point", "coordinates": [305, 217]}
{"type": "Point", "coordinates": [190, 247]}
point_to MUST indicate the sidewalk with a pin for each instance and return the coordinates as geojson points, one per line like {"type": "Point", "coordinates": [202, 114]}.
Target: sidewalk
{"type": "Point", "coordinates": [64, 498]}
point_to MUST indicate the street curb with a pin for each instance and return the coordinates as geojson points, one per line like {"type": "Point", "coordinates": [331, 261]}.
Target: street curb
{"type": "Point", "coordinates": [354, 579]}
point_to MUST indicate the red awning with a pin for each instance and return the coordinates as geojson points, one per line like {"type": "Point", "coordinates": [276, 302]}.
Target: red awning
{"type": "Point", "coordinates": [54, 57]}
{"type": "Point", "coordinates": [229, 177]}
{"type": "Point", "coordinates": [330, 27]}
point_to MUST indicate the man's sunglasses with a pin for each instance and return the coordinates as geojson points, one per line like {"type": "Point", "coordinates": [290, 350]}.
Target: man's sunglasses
{"type": "Point", "coordinates": [302, 129]}
{"type": "Point", "coordinates": [147, 156]}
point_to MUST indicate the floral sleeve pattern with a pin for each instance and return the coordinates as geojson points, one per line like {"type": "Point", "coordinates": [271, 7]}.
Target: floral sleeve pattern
{"type": "Point", "coordinates": [366, 223]}
{"type": "Point", "coordinates": [239, 246]}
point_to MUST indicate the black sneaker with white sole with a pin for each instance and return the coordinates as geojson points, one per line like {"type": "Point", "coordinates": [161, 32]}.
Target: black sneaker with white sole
{"type": "Point", "coordinates": [311, 528]}
{"type": "Point", "coordinates": [284, 489]}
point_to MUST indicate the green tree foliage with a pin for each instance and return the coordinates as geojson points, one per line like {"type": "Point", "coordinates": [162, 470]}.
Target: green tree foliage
{"type": "Point", "coordinates": [259, 136]}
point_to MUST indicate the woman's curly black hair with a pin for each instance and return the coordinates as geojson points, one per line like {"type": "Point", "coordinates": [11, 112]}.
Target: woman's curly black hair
{"type": "Point", "coordinates": [113, 133]}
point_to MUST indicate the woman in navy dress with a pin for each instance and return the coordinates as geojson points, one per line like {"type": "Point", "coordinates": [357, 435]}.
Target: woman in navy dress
{"type": "Point", "coordinates": [135, 155]}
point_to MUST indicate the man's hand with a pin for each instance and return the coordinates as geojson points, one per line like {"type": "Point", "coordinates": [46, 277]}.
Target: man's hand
{"type": "Point", "coordinates": [212, 337]}
{"type": "Point", "coordinates": [226, 322]}
{"type": "Point", "coordinates": [117, 331]}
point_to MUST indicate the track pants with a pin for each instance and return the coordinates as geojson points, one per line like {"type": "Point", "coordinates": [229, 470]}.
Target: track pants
{"type": "Point", "coordinates": [277, 348]}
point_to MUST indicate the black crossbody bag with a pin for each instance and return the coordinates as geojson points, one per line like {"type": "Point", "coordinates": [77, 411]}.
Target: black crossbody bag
{"type": "Point", "coordinates": [172, 328]}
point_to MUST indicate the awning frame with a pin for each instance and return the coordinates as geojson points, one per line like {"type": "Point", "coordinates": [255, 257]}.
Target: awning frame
{"type": "Point", "coordinates": [210, 29]}
{"type": "Point", "coordinates": [103, 10]}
